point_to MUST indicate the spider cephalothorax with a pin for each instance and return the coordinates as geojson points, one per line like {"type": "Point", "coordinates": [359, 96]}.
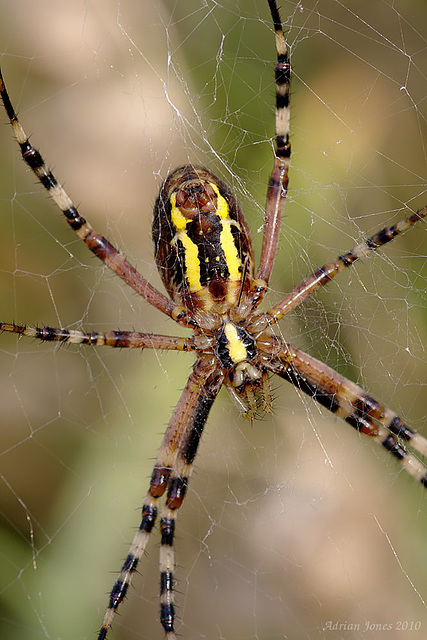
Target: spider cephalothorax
{"type": "Point", "coordinates": [245, 377]}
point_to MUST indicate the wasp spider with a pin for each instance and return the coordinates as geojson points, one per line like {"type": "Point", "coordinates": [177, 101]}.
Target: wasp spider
{"type": "Point", "coordinates": [204, 254]}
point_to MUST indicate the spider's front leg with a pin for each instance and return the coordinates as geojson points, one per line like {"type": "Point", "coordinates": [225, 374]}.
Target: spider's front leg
{"type": "Point", "coordinates": [171, 472]}
{"type": "Point", "coordinates": [351, 403]}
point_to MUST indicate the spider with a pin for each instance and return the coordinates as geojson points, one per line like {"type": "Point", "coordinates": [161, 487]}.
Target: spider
{"type": "Point", "coordinates": [204, 254]}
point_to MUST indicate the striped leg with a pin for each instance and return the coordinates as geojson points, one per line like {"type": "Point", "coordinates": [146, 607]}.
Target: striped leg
{"type": "Point", "coordinates": [121, 339]}
{"type": "Point", "coordinates": [325, 274]}
{"type": "Point", "coordinates": [171, 471]}
{"type": "Point", "coordinates": [278, 182]}
{"type": "Point", "coordinates": [176, 493]}
{"type": "Point", "coordinates": [350, 402]}
{"type": "Point", "coordinates": [99, 245]}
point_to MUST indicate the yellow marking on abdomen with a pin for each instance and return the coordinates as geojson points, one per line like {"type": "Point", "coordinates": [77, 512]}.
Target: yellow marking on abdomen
{"type": "Point", "coordinates": [179, 221]}
{"type": "Point", "coordinates": [192, 262]}
{"type": "Point", "coordinates": [228, 245]}
{"type": "Point", "coordinates": [191, 250]}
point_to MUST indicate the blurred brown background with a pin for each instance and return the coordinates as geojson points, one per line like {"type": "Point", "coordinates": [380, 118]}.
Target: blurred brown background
{"type": "Point", "coordinates": [295, 520]}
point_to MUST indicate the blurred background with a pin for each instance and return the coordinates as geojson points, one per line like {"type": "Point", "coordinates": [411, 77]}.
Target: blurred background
{"type": "Point", "coordinates": [293, 523]}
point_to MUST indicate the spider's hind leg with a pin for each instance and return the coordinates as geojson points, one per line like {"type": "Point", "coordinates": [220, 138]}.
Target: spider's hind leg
{"type": "Point", "coordinates": [278, 181]}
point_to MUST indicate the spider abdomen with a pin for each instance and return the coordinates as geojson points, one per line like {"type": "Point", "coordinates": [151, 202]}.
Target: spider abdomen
{"type": "Point", "coordinates": [202, 244]}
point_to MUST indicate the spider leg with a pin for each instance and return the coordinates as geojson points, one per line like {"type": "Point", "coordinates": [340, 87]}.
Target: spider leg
{"type": "Point", "coordinates": [327, 272]}
{"type": "Point", "coordinates": [278, 181]}
{"type": "Point", "coordinates": [171, 471]}
{"type": "Point", "coordinates": [99, 245]}
{"type": "Point", "coordinates": [121, 339]}
{"type": "Point", "coordinates": [350, 402]}
{"type": "Point", "coordinates": [177, 489]}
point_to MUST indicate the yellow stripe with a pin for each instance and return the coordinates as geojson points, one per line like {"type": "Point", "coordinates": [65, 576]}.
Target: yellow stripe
{"type": "Point", "coordinates": [192, 263]}
{"type": "Point", "coordinates": [179, 221]}
{"type": "Point", "coordinates": [226, 237]}
{"type": "Point", "coordinates": [236, 348]}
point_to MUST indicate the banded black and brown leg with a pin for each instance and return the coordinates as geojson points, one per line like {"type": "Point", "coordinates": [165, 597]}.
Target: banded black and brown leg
{"type": "Point", "coordinates": [171, 472]}
{"type": "Point", "coordinates": [177, 489]}
{"type": "Point", "coordinates": [350, 402]}
{"type": "Point", "coordinates": [96, 242]}
{"type": "Point", "coordinates": [327, 272]}
{"type": "Point", "coordinates": [118, 339]}
{"type": "Point", "coordinates": [278, 181]}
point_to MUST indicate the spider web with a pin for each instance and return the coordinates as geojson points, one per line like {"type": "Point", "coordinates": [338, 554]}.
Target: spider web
{"type": "Point", "coordinates": [294, 527]}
